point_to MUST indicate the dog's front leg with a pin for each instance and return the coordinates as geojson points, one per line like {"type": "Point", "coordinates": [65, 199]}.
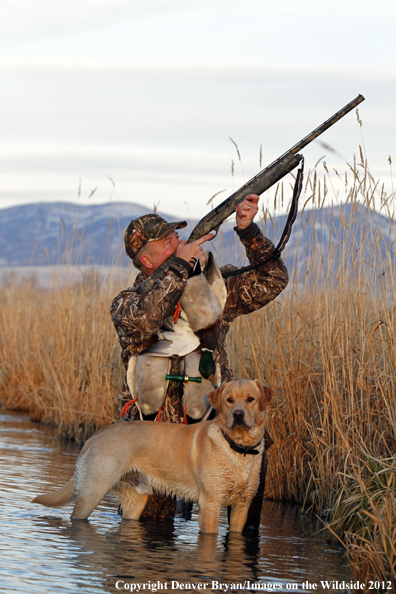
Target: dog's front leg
{"type": "Point", "coordinates": [239, 513]}
{"type": "Point", "coordinates": [209, 513]}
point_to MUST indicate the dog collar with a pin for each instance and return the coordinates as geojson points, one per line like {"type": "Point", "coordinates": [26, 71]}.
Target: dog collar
{"type": "Point", "coordinates": [242, 449]}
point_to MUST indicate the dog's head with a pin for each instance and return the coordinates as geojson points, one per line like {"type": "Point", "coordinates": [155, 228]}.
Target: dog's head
{"type": "Point", "coordinates": [240, 408]}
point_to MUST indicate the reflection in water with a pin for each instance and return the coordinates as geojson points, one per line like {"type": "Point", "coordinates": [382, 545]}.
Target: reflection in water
{"type": "Point", "coordinates": [43, 551]}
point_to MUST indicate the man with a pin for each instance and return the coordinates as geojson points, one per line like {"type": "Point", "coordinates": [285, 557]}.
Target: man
{"type": "Point", "coordinates": [138, 318]}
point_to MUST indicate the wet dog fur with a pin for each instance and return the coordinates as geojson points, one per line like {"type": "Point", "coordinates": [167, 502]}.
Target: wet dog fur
{"type": "Point", "coordinates": [194, 462]}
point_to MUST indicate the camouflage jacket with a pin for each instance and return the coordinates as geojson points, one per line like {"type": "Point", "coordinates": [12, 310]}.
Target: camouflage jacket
{"type": "Point", "coordinates": [137, 318]}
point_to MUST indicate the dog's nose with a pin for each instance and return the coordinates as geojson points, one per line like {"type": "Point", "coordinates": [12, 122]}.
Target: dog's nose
{"type": "Point", "coordinates": [238, 415]}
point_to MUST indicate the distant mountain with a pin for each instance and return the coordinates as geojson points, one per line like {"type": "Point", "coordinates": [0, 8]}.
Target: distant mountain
{"type": "Point", "coordinates": [327, 238]}
{"type": "Point", "coordinates": [56, 233]}
{"type": "Point", "coordinates": [53, 233]}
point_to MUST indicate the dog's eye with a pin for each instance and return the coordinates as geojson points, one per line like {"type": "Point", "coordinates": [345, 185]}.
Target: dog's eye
{"type": "Point", "coordinates": [230, 400]}
{"type": "Point", "coordinates": [249, 399]}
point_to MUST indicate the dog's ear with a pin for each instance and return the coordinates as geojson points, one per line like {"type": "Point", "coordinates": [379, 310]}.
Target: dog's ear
{"type": "Point", "coordinates": [266, 395]}
{"type": "Point", "coordinates": [214, 398]}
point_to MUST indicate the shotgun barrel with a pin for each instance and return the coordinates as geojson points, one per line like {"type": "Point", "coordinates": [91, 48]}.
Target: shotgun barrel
{"type": "Point", "coordinates": [257, 185]}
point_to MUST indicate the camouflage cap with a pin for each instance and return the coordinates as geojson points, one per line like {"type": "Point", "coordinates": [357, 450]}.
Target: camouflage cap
{"type": "Point", "coordinates": [149, 227]}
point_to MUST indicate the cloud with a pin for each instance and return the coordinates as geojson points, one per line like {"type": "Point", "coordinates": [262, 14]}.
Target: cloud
{"type": "Point", "coordinates": [19, 16]}
{"type": "Point", "coordinates": [227, 70]}
{"type": "Point", "coordinates": [24, 15]}
{"type": "Point", "coordinates": [161, 128]}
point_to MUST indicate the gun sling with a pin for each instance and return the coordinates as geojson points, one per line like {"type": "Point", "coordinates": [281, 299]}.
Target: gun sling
{"type": "Point", "coordinates": [286, 231]}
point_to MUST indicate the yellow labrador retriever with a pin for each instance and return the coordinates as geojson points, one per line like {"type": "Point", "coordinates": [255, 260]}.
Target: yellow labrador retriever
{"type": "Point", "coordinates": [215, 463]}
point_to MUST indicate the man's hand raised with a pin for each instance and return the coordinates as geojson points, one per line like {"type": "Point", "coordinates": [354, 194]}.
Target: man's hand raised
{"type": "Point", "coordinates": [246, 211]}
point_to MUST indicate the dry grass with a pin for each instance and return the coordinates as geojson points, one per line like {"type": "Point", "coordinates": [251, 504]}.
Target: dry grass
{"type": "Point", "coordinates": [59, 356]}
{"type": "Point", "coordinates": [333, 367]}
{"type": "Point", "coordinates": [365, 517]}
{"type": "Point", "coordinates": [327, 347]}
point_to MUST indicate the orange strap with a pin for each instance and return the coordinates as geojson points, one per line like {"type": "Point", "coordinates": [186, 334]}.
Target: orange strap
{"type": "Point", "coordinates": [176, 313]}
{"type": "Point", "coordinates": [126, 407]}
{"type": "Point", "coordinates": [185, 422]}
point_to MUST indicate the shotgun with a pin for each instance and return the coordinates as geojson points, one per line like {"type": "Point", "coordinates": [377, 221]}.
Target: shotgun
{"type": "Point", "coordinates": [257, 185]}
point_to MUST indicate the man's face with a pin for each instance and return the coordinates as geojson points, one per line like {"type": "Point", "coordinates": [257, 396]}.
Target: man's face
{"type": "Point", "coordinates": [163, 248]}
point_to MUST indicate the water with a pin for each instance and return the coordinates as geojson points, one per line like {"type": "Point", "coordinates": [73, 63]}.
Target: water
{"type": "Point", "coordinates": [43, 551]}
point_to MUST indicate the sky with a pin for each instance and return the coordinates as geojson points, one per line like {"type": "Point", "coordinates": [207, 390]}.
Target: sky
{"type": "Point", "coordinates": [124, 100]}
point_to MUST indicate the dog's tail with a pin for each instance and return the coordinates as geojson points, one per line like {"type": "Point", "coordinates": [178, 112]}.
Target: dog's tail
{"type": "Point", "coordinates": [60, 497]}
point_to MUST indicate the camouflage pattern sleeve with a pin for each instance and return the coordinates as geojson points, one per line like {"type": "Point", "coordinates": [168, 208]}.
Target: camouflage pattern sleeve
{"type": "Point", "coordinates": [137, 318]}
{"type": "Point", "coordinates": [253, 289]}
